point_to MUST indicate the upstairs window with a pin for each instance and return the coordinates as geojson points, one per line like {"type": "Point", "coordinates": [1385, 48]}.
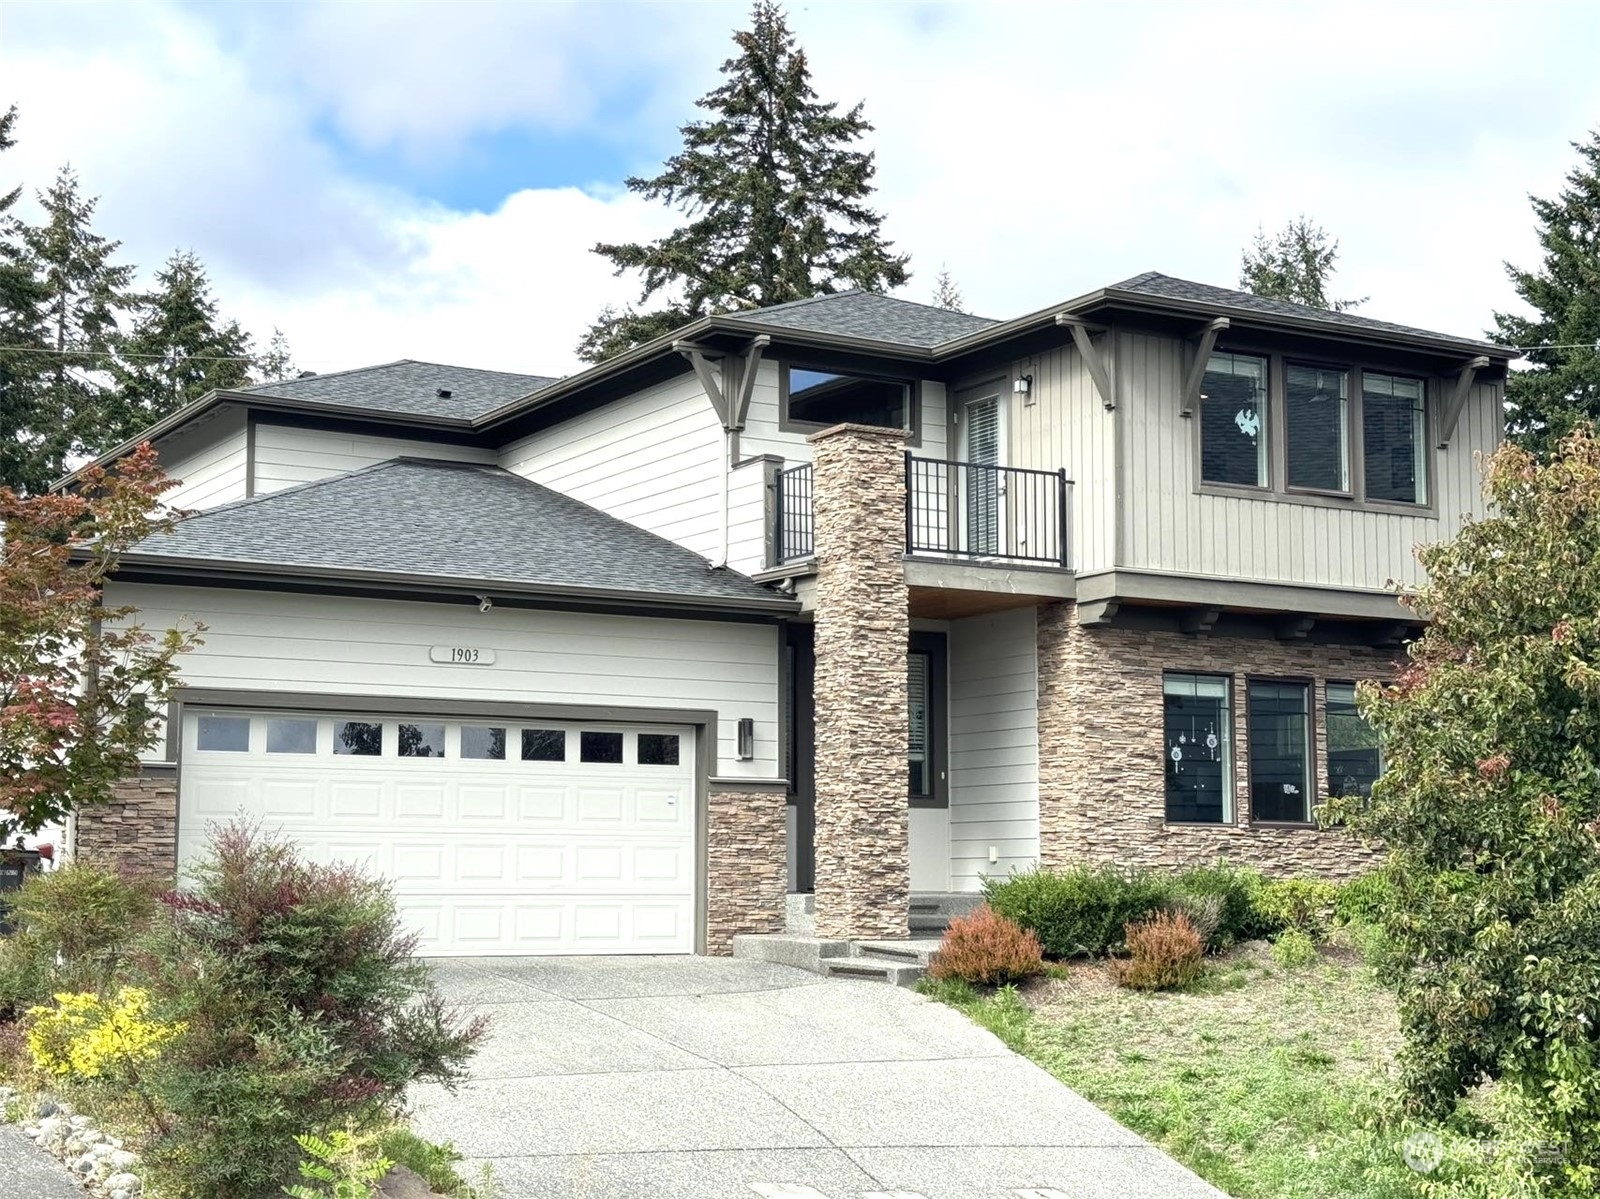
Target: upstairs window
{"type": "Point", "coordinates": [1394, 443]}
{"type": "Point", "coordinates": [823, 398]}
{"type": "Point", "coordinates": [1316, 406]}
{"type": "Point", "coordinates": [1233, 420]}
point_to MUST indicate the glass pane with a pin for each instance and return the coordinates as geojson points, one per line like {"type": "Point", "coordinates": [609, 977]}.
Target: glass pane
{"type": "Point", "coordinates": [1394, 438]}
{"type": "Point", "coordinates": [224, 734]}
{"type": "Point", "coordinates": [483, 742]}
{"type": "Point", "coordinates": [658, 749]}
{"type": "Point", "coordinates": [1233, 420]}
{"type": "Point", "coordinates": [600, 747]}
{"type": "Point", "coordinates": [1199, 772]}
{"type": "Point", "coordinates": [544, 745]}
{"type": "Point", "coordinates": [1280, 766]}
{"type": "Point", "coordinates": [917, 695]}
{"type": "Point", "coordinates": [1317, 403]}
{"type": "Point", "coordinates": [1354, 758]}
{"type": "Point", "coordinates": [422, 740]}
{"type": "Point", "coordinates": [829, 399]}
{"type": "Point", "coordinates": [357, 737]}
{"type": "Point", "coordinates": [290, 736]}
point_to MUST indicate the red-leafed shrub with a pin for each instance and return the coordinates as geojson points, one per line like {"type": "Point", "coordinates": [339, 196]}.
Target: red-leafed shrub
{"type": "Point", "coordinates": [987, 949]}
{"type": "Point", "coordinates": [1165, 952]}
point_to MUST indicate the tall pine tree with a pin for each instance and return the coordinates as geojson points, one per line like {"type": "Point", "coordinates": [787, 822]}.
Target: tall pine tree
{"type": "Point", "coordinates": [1561, 385]}
{"type": "Point", "coordinates": [775, 194]}
{"type": "Point", "coordinates": [29, 455]}
{"type": "Point", "coordinates": [176, 351]}
{"type": "Point", "coordinates": [1295, 264]}
{"type": "Point", "coordinates": [84, 292]}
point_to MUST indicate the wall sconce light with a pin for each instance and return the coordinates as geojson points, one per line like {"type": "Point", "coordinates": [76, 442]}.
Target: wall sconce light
{"type": "Point", "coordinates": [1022, 385]}
{"type": "Point", "coordinates": [747, 738]}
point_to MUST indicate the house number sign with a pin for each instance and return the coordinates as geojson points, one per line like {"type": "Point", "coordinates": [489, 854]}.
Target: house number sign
{"type": "Point", "coordinates": [461, 655]}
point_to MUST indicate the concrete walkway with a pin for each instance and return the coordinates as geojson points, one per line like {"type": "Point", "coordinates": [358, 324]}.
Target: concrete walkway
{"type": "Point", "coordinates": [707, 1078]}
{"type": "Point", "coordinates": [28, 1172]}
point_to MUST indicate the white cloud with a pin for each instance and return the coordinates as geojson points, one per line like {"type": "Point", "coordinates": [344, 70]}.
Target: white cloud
{"type": "Point", "coordinates": [1038, 151]}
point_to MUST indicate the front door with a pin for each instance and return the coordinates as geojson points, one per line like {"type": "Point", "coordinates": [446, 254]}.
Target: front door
{"type": "Point", "coordinates": [981, 483]}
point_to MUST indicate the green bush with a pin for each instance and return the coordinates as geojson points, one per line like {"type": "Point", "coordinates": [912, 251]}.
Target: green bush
{"type": "Point", "coordinates": [75, 925]}
{"type": "Point", "coordinates": [1293, 948]}
{"type": "Point", "coordinates": [1234, 888]}
{"type": "Point", "coordinates": [304, 1011]}
{"type": "Point", "coordinates": [1364, 899]}
{"type": "Point", "coordinates": [1304, 904]}
{"type": "Point", "coordinates": [1081, 911]}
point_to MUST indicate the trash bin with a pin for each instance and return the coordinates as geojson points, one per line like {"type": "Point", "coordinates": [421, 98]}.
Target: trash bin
{"type": "Point", "coordinates": [15, 866]}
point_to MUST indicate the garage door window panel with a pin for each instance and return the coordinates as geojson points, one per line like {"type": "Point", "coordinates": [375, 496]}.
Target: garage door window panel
{"type": "Point", "coordinates": [422, 740]}
{"type": "Point", "coordinates": [223, 734]}
{"type": "Point", "coordinates": [600, 748]}
{"type": "Point", "coordinates": [358, 738]}
{"type": "Point", "coordinates": [291, 735]}
{"type": "Point", "coordinates": [544, 745]}
{"type": "Point", "coordinates": [483, 743]}
{"type": "Point", "coordinates": [658, 749]}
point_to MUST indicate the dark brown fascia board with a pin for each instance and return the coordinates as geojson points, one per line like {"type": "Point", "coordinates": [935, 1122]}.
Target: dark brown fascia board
{"type": "Point", "coordinates": [174, 422]}
{"type": "Point", "coordinates": [211, 569]}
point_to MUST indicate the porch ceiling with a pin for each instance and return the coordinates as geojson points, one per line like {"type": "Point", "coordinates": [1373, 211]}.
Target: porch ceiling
{"type": "Point", "coordinates": [937, 603]}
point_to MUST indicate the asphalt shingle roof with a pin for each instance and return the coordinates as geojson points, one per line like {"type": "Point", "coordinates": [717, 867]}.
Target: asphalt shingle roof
{"type": "Point", "coordinates": [448, 520]}
{"type": "Point", "coordinates": [411, 387]}
{"type": "Point", "coordinates": [1153, 283]}
{"type": "Point", "coordinates": [865, 314]}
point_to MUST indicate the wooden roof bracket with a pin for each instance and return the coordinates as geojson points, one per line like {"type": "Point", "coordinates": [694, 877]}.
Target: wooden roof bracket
{"type": "Point", "coordinates": [1197, 369]}
{"type": "Point", "coordinates": [1458, 398]}
{"type": "Point", "coordinates": [731, 410]}
{"type": "Point", "coordinates": [696, 355]}
{"type": "Point", "coordinates": [747, 380]}
{"type": "Point", "coordinates": [1091, 357]}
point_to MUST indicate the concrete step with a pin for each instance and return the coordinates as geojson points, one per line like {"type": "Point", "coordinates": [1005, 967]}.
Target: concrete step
{"type": "Point", "coordinates": [786, 949]}
{"type": "Point", "coordinates": [915, 951]}
{"type": "Point", "coordinates": [876, 970]}
{"type": "Point", "coordinates": [800, 914]}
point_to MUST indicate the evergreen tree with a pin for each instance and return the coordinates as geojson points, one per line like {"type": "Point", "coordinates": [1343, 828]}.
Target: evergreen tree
{"type": "Point", "coordinates": [176, 351]}
{"type": "Point", "coordinates": [84, 291]}
{"type": "Point", "coordinates": [276, 362]}
{"type": "Point", "coordinates": [775, 195]}
{"type": "Point", "coordinates": [1296, 264]}
{"type": "Point", "coordinates": [946, 294]}
{"type": "Point", "coordinates": [1561, 386]}
{"type": "Point", "coordinates": [28, 458]}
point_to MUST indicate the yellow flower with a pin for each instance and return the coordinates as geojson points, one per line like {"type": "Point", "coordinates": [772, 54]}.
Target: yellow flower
{"type": "Point", "coordinates": [85, 1036]}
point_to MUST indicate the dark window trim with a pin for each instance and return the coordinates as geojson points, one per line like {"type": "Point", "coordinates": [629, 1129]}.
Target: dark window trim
{"type": "Point", "coordinates": [937, 647]}
{"type": "Point", "coordinates": [913, 384]}
{"type": "Point", "coordinates": [1352, 457]}
{"type": "Point", "coordinates": [1230, 773]}
{"type": "Point", "coordinates": [1327, 756]}
{"type": "Point", "coordinates": [1313, 774]}
{"type": "Point", "coordinates": [1277, 490]}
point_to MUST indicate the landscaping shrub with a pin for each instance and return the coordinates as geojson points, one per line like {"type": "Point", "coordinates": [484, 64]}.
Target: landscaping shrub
{"type": "Point", "coordinates": [1294, 948]}
{"type": "Point", "coordinates": [74, 927]}
{"type": "Point", "coordinates": [304, 1012]}
{"type": "Point", "coordinates": [987, 949]}
{"type": "Point", "coordinates": [1164, 952]}
{"type": "Point", "coordinates": [1305, 904]}
{"type": "Point", "coordinates": [1235, 888]}
{"type": "Point", "coordinates": [1364, 899]}
{"type": "Point", "coordinates": [1081, 911]}
{"type": "Point", "coordinates": [1204, 913]}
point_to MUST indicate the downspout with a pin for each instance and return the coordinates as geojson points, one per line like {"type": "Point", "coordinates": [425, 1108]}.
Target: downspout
{"type": "Point", "coordinates": [730, 443]}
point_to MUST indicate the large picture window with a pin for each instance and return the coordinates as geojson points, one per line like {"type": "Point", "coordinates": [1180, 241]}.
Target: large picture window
{"type": "Point", "coordinates": [823, 398]}
{"type": "Point", "coordinates": [1199, 758]}
{"type": "Point", "coordinates": [1354, 757]}
{"type": "Point", "coordinates": [1279, 723]}
{"type": "Point", "coordinates": [1233, 420]}
{"type": "Point", "coordinates": [1316, 408]}
{"type": "Point", "coordinates": [1394, 441]}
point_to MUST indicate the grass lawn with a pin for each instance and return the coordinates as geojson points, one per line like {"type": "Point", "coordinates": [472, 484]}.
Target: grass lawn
{"type": "Point", "coordinates": [1266, 1081]}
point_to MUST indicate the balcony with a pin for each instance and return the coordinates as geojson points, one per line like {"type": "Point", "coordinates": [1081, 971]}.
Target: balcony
{"type": "Point", "coordinates": [962, 511]}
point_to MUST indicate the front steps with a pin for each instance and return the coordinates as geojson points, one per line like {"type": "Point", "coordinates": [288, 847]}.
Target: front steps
{"type": "Point", "coordinates": [898, 962]}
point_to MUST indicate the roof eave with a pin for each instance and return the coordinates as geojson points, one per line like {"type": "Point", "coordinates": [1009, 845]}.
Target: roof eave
{"type": "Point", "coordinates": [245, 571]}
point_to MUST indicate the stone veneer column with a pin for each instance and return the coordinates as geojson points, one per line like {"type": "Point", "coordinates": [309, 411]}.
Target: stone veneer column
{"type": "Point", "coordinates": [863, 628]}
{"type": "Point", "coordinates": [1060, 830]}
{"type": "Point", "coordinates": [138, 828]}
{"type": "Point", "coordinates": [747, 869]}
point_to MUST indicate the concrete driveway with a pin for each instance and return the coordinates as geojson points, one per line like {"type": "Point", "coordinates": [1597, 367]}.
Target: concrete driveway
{"type": "Point", "coordinates": [707, 1078]}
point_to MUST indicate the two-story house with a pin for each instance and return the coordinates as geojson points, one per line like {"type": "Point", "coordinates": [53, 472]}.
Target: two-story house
{"type": "Point", "coordinates": [851, 595]}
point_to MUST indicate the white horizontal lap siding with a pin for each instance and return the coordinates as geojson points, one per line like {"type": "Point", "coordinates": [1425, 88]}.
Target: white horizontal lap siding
{"type": "Point", "coordinates": [329, 645]}
{"type": "Point", "coordinates": [286, 456]}
{"type": "Point", "coordinates": [654, 459]}
{"type": "Point", "coordinates": [994, 746]}
{"type": "Point", "coordinates": [1168, 526]}
{"type": "Point", "coordinates": [209, 463]}
{"type": "Point", "coordinates": [747, 517]}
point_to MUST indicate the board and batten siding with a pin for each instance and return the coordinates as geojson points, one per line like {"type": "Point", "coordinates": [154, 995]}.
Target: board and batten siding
{"type": "Point", "coordinates": [328, 645]}
{"type": "Point", "coordinates": [1169, 526]}
{"type": "Point", "coordinates": [287, 456]}
{"type": "Point", "coordinates": [994, 746]}
{"type": "Point", "coordinates": [653, 459]}
{"type": "Point", "coordinates": [209, 460]}
{"type": "Point", "coordinates": [1067, 427]}
{"type": "Point", "coordinates": [762, 434]}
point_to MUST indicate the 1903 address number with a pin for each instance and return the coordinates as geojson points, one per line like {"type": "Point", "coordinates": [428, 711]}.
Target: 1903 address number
{"type": "Point", "coordinates": [461, 655]}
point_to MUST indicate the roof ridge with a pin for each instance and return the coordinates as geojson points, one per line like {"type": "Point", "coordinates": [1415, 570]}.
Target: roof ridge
{"type": "Point", "coordinates": [351, 370]}
{"type": "Point", "coordinates": [456, 366]}
{"type": "Point", "coordinates": [802, 302]}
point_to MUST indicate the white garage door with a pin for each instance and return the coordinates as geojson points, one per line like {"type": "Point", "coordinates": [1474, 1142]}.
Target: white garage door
{"type": "Point", "coordinates": [499, 837]}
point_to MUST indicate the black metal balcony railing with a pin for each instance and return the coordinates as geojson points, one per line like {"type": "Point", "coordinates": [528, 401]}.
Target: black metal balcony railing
{"type": "Point", "coordinates": [954, 509]}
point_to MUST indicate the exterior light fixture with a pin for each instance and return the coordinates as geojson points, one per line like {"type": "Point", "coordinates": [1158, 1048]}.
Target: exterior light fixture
{"type": "Point", "coordinates": [747, 738]}
{"type": "Point", "coordinates": [1022, 385]}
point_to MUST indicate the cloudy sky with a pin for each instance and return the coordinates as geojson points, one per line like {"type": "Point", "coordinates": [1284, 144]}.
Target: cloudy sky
{"type": "Point", "coordinates": [385, 180]}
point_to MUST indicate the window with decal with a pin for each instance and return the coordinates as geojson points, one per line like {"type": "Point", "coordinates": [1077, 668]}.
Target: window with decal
{"type": "Point", "coordinates": [1279, 725]}
{"type": "Point", "coordinates": [1199, 761]}
{"type": "Point", "coordinates": [1233, 420]}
